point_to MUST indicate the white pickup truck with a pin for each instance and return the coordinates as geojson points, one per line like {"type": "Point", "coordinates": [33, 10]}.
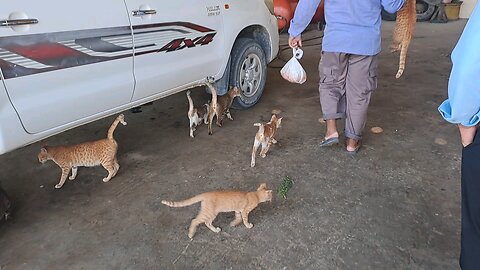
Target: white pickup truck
{"type": "Point", "coordinates": [67, 63]}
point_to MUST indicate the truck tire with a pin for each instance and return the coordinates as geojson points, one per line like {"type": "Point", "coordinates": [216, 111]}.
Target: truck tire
{"type": "Point", "coordinates": [424, 12]}
{"type": "Point", "coordinates": [248, 72]}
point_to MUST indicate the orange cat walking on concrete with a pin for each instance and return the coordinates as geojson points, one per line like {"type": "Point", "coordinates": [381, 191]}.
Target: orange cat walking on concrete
{"type": "Point", "coordinates": [224, 201]}
{"type": "Point", "coordinates": [102, 152]}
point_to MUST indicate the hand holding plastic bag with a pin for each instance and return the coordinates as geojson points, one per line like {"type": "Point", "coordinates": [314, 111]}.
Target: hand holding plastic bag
{"type": "Point", "coordinates": [293, 71]}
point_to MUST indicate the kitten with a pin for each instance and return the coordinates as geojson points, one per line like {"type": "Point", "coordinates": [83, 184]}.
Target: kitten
{"type": "Point", "coordinates": [220, 105]}
{"type": "Point", "coordinates": [264, 137]}
{"type": "Point", "coordinates": [224, 201]}
{"type": "Point", "coordinates": [402, 34]}
{"type": "Point", "coordinates": [102, 152]}
{"type": "Point", "coordinates": [196, 115]}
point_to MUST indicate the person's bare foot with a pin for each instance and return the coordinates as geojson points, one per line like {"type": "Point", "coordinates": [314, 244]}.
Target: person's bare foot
{"type": "Point", "coordinates": [331, 135]}
{"type": "Point", "coordinates": [331, 129]}
{"type": "Point", "coordinates": [352, 145]}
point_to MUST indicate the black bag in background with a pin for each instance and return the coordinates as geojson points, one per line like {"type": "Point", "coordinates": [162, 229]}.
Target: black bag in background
{"type": "Point", "coordinates": [5, 205]}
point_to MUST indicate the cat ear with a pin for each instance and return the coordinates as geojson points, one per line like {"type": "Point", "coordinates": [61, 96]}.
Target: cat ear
{"type": "Point", "coordinates": [279, 121]}
{"type": "Point", "coordinates": [43, 150]}
{"type": "Point", "coordinates": [262, 187]}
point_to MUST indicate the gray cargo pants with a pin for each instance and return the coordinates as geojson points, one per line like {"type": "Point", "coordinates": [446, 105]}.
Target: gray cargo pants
{"type": "Point", "coordinates": [346, 84]}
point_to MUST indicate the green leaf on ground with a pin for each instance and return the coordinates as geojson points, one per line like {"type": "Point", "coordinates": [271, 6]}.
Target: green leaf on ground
{"type": "Point", "coordinates": [285, 186]}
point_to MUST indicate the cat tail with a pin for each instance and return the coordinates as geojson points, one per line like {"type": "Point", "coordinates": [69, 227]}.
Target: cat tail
{"type": "Point", "coordinates": [410, 9]}
{"type": "Point", "coordinates": [184, 203]}
{"type": "Point", "coordinates": [403, 56]}
{"type": "Point", "coordinates": [214, 94]}
{"type": "Point", "coordinates": [119, 119]}
{"type": "Point", "coordinates": [260, 127]}
{"type": "Point", "coordinates": [190, 103]}
{"type": "Point", "coordinates": [401, 65]}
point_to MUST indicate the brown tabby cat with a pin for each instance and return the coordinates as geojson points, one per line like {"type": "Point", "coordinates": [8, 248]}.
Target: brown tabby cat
{"type": "Point", "coordinates": [220, 105]}
{"type": "Point", "coordinates": [403, 32]}
{"type": "Point", "coordinates": [224, 201]}
{"type": "Point", "coordinates": [102, 152]}
{"type": "Point", "coordinates": [264, 137]}
{"type": "Point", "coordinates": [196, 115]}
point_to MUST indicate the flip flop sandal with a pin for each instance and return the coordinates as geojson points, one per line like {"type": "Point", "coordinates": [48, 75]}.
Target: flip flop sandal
{"type": "Point", "coordinates": [329, 141]}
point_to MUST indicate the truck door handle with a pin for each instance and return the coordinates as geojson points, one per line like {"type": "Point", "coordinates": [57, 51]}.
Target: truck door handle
{"type": "Point", "coordinates": [143, 12]}
{"type": "Point", "coordinates": [9, 23]}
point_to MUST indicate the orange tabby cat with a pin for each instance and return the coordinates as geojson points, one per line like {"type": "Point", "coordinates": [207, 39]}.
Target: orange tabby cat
{"type": "Point", "coordinates": [102, 152]}
{"type": "Point", "coordinates": [220, 105]}
{"type": "Point", "coordinates": [196, 115]}
{"type": "Point", "coordinates": [402, 34]}
{"type": "Point", "coordinates": [224, 201]}
{"type": "Point", "coordinates": [264, 137]}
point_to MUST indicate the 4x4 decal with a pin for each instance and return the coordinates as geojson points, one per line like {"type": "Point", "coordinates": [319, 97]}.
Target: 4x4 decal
{"type": "Point", "coordinates": [38, 53]}
{"type": "Point", "coordinates": [183, 43]}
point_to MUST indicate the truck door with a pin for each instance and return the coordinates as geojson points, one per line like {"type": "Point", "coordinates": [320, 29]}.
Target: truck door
{"type": "Point", "coordinates": [64, 61]}
{"type": "Point", "coordinates": [176, 43]}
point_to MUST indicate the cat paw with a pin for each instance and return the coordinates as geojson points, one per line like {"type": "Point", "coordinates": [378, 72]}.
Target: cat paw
{"type": "Point", "coordinates": [71, 178]}
{"type": "Point", "coordinates": [263, 155]}
{"type": "Point", "coordinates": [105, 179]}
{"type": "Point", "coordinates": [217, 229]}
{"type": "Point", "coordinates": [190, 235]}
{"type": "Point", "coordinates": [252, 164]}
{"type": "Point", "coordinates": [58, 186]}
{"type": "Point", "coordinates": [249, 225]}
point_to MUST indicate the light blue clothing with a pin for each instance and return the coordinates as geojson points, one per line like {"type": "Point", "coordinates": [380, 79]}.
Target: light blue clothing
{"type": "Point", "coordinates": [352, 26]}
{"type": "Point", "coordinates": [463, 103]}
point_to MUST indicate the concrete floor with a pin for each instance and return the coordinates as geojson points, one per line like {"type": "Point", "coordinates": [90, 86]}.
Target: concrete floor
{"type": "Point", "coordinates": [394, 206]}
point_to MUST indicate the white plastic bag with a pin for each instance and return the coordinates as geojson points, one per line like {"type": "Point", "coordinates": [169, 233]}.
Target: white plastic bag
{"type": "Point", "coordinates": [293, 71]}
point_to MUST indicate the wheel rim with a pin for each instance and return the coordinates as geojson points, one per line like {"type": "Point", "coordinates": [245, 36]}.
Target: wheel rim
{"type": "Point", "coordinates": [250, 75]}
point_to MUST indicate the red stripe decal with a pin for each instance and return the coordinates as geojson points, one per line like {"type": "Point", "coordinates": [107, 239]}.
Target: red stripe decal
{"type": "Point", "coordinates": [44, 51]}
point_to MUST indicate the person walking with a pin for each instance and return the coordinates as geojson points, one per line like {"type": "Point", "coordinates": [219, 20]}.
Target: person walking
{"type": "Point", "coordinates": [463, 109]}
{"type": "Point", "coordinates": [348, 64]}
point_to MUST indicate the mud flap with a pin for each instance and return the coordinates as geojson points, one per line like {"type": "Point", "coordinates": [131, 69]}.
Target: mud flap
{"type": "Point", "coordinates": [222, 84]}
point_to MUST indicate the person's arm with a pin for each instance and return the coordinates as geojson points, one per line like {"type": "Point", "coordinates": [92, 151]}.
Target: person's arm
{"type": "Point", "coordinates": [467, 134]}
{"type": "Point", "coordinates": [463, 104]}
{"type": "Point", "coordinates": [302, 17]}
{"type": "Point", "coordinates": [392, 6]}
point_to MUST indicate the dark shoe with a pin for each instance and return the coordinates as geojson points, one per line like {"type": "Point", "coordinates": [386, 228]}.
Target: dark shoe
{"type": "Point", "coordinates": [329, 141]}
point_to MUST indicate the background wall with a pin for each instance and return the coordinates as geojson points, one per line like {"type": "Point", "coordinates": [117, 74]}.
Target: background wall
{"type": "Point", "coordinates": [467, 8]}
